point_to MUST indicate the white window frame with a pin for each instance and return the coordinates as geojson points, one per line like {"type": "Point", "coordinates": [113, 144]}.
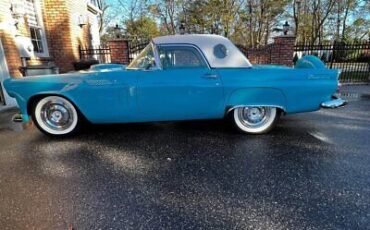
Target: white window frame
{"type": "Point", "coordinates": [40, 20]}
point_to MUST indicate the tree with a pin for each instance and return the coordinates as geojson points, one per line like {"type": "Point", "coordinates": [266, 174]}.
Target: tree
{"type": "Point", "coordinates": [143, 27]}
{"type": "Point", "coordinates": [257, 19]}
{"type": "Point", "coordinates": [246, 22]}
{"type": "Point", "coordinates": [167, 11]}
{"type": "Point", "coordinates": [103, 6]}
{"type": "Point", "coordinates": [358, 30]}
{"type": "Point", "coordinates": [214, 16]}
{"type": "Point", "coordinates": [108, 34]}
{"type": "Point", "coordinates": [319, 20]}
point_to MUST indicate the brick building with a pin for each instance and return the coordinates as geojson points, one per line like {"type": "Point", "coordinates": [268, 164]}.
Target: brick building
{"type": "Point", "coordinates": [41, 36]}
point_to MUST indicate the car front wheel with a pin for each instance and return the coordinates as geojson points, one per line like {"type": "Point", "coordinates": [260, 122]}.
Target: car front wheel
{"type": "Point", "coordinates": [55, 116]}
{"type": "Point", "coordinates": [255, 120]}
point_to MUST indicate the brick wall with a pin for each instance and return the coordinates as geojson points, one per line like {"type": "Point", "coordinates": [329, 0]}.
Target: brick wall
{"type": "Point", "coordinates": [280, 52]}
{"type": "Point", "coordinates": [63, 34]}
{"type": "Point", "coordinates": [258, 55]}
{"type": "Point", "coordinates": [119, 51]}
{"type": "Point", "coordinates": [7, 34]}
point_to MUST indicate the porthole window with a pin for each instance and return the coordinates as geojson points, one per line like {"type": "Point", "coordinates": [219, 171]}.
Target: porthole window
{"type": "Point", "coordinates": [220, 51]}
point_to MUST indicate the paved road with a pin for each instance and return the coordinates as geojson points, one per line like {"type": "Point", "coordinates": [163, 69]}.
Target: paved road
{"type": "Point", "coordinates": [312, 171]}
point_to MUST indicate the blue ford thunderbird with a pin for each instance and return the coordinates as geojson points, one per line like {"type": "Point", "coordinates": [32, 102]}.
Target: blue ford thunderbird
{"type": "Point", "coordinates": [180, 77]}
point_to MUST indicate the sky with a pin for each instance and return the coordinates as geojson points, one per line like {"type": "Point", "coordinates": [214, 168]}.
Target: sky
{"type": "Point", "coordinates": [116, 8]}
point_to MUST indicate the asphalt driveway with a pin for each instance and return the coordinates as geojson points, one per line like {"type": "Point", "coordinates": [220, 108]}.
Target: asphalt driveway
{"type": "Point", "coordinates": [311, 172]}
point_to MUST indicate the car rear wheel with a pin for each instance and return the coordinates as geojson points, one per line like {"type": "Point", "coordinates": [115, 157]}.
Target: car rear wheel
{"type": "Point", "coordinates": [56, 116]}
{"type": "Point", "coordinates": [255, 120]}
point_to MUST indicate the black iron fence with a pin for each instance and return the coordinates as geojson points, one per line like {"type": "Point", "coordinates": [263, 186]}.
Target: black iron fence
{"type": "Point", "coordinates": [135, 47]}
{"type": "Point", "coordinates": [100, 53]}
{"type": "Point", "coordinates": [352, 59]}
{"type": "Point", "coordinates": [103, 53]}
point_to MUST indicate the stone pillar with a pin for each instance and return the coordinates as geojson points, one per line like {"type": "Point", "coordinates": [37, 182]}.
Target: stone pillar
{"type": "Point", "coordinates": [282, 52]}
{"type": "Point", "coordinates": [119, 51]}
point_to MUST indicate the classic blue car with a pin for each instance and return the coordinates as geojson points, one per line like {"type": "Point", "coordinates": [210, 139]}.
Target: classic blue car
{"type": "Point", "coordinates": [180, 77]}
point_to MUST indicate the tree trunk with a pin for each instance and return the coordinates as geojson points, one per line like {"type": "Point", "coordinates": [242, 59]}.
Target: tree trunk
{"type": "Point", "coordinates": [344, 25]}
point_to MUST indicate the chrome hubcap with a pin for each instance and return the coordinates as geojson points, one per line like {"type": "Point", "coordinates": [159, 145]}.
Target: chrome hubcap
{"type": "Point", "coordinates": [57, 115]}
{"type": "Point", "coordinates": [254, 117]}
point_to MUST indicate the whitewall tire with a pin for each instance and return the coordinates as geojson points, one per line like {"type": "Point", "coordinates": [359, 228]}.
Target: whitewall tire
{"type": "Point", "coordinates": [55, 116]}
{"type": "Point", "coordinates": [255, 119]}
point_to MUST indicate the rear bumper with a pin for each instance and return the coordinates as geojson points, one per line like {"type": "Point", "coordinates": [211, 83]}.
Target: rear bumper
{"type": "Point", "coordinates": [333, 103]}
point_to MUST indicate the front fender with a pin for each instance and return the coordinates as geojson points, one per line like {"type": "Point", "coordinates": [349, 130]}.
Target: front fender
{"type": "Point", "coordinates": [257, 97]}
{"type": "Point", "coordinates": [24, 89]}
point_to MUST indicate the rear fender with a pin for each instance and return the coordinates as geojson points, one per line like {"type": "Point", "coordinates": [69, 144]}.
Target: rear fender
{"type": "Point", "coordinates": [257, 97]}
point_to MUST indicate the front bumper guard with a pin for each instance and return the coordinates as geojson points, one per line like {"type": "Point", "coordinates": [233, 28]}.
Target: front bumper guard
{"type": "Point", "coordinates": [334, 103]}
{"type": "Point", "coordinates": [17, 118]}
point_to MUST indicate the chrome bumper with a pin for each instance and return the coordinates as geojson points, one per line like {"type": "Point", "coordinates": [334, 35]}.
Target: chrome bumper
{"type": "Point", "coordinates": [17, 118]}
{"type": "Point", "coordinates": [334, 103]}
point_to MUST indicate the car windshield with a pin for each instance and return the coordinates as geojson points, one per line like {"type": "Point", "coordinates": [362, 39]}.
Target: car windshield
{"type": "Point", "coordinates": [145, 60]}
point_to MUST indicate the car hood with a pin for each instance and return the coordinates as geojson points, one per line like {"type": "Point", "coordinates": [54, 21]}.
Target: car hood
{"type": "Point", "coordinates": [68, 77]}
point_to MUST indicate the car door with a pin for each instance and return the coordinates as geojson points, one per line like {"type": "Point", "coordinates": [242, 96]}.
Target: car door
{"type": "Point", "coordinates": [184, 88]}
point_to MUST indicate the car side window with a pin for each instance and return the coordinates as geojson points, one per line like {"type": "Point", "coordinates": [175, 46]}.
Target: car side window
{"type": "Point", "coordinates": [180, 57]}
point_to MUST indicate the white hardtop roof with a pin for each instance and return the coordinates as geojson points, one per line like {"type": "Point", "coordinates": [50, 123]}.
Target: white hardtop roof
{"type": "Point", "coordinates": [206, 43]}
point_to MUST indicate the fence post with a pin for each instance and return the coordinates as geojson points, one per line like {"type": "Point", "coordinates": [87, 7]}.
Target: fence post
{"type": "Point", "coordinates": [282, 51]}
{"type": "Point", "coordinates": [119, 51]}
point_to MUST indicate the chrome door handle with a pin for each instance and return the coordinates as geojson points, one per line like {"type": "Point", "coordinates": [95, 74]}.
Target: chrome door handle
{"type": "Point", "coordinates": [210, 75]}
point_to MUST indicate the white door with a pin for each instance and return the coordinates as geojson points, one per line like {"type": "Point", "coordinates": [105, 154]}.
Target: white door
{"type": "Point", "coordinates": [5, 100]}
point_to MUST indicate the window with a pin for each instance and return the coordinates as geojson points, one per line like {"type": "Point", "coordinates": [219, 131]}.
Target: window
{"type": "Point", "coordinates": [220, 51]}
{"type": "Point", "coordinates": [36, 39]}
{"type": "Point", "coordinates": [34, 21]}
{"type": "Point", "coordinates": [145, 60]}
{"type": "Point", "coordinates": [180, 57]}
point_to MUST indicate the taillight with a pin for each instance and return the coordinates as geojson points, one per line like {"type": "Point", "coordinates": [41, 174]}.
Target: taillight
{"type": "Point", "coordinates": [339, 87]}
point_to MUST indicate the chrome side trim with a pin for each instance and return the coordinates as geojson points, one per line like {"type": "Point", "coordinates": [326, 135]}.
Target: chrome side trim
{"type": "Point", "coordinates": [238, 106]}
{"type": "Point", "coordinates": [334, 103]}
{"type": "Point", "coordinates": [17, 118]}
